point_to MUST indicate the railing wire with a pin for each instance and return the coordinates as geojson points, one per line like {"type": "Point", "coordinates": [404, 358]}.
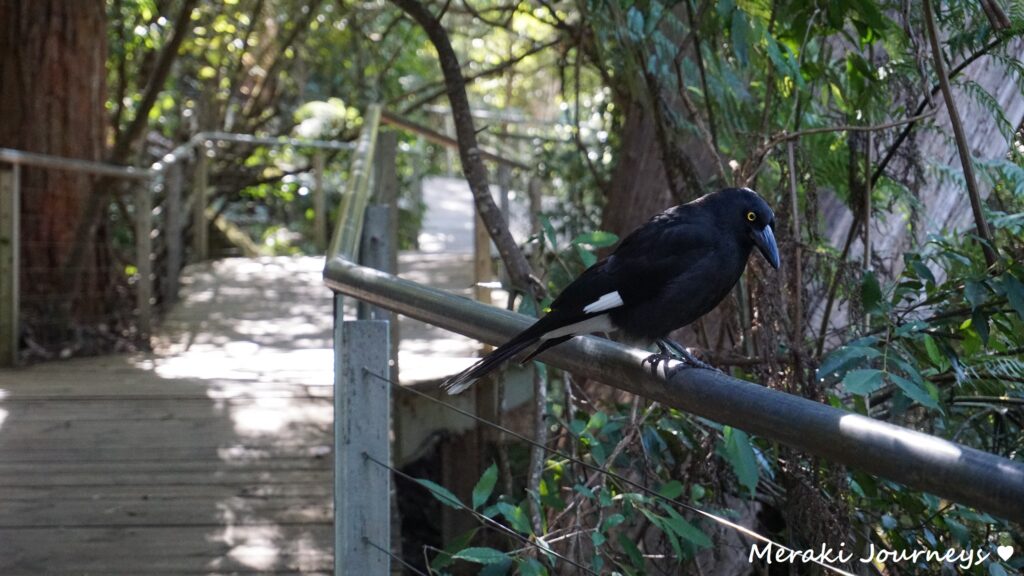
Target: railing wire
{"type": "Point", "coordinates": [486, 520]}
{"type": "Point", "coordinates": [601, 470]}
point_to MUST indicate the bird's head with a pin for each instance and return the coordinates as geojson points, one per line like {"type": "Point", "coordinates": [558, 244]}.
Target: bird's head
{"type": "Point", "coordinates": [751, 214]}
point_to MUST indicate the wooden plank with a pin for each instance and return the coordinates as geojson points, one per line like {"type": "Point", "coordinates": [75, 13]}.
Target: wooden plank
{"type": "Point", "coordinates": [197, 433]}
{"type": "Point", "coordinates": [9, 267]}
{"type": "Point", "coordinates": [362, 489]}
{"type": "Point", "coordinates": [125, 476]}
{"type": "Point", "coordinates": [313, 490]}
{"type": "Point", "coordinates": [149, 510]}
{"type": "Point", "coordinates": [121, 409]}
{"type": "Point", "coordinates": [273, 549]}
{"type": "Point", "coordinates": [229, 451]}
{"type": "Point", "coordinates": [15, 473]}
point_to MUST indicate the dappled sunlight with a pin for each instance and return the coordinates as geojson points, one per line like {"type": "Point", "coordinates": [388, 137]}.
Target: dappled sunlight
{"type": "Point", "coordinates": [254, 547]}
{"type": "Point", "coordinates": [256, 420]}
{"type": "Point", "coordinates": [307, 367]}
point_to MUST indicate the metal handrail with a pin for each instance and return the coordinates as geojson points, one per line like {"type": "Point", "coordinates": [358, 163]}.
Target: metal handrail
{"type": "Point", "coordinates": [349, 228]}
{"type": "Point", "coordinates": [22, 158]}
{"type": "Point", "coordinates": [917, 460]}
{"type": "Point", "coordinates": [444, 140]}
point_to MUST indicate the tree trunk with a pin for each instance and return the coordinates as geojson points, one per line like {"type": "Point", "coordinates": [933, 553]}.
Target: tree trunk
{"type": "Point", "coordinates": [52, 95]}
{"type": "Point", "coordinates": [639, 185]}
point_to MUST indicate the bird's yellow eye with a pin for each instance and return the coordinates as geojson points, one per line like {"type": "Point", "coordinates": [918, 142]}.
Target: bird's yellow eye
{"type": "Point", "coordinates": [751, 216]}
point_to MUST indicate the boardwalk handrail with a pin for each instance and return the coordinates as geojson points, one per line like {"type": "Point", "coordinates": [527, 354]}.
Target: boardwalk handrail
{"type": "Point", "coordinates": [444, 140]}
{"type": "Point", "coordinates": [917, 460]}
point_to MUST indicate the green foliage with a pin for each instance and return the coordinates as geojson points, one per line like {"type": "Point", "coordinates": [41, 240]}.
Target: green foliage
{"type": "Point", "coordinates": [935, 346]}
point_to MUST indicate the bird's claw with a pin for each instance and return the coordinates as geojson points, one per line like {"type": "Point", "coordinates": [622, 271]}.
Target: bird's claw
{"type": "Point", "coordinates": [673, 350]}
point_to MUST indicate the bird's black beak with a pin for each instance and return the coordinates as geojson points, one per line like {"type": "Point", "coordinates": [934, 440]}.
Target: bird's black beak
{"type": "Point", "coordinates": [765, 241]}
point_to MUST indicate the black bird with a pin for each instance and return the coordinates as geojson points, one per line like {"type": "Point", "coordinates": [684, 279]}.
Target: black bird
{"type": "Point", "coordinates": [664, 275]}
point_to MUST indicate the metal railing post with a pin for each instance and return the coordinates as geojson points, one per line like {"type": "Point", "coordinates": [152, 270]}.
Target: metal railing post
{"type": "Point", "coordinates": [144, 255]}
{"type": "Point", "coordinates": [375, 252]}
{"type": "Point", "coordinates": [362, 489]}
{"type": "Point", "coordinates": [172, 232]}
{"type": "Point", "coordinates": [10, 247]}
{"type": "Point", "coordinates": [319, 203]}
{"type": "Point", "coordinates": [200, 229]}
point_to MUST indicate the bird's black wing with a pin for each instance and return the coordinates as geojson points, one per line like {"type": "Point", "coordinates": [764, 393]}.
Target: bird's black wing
{"type": "Point", "coordinates": [648, 260]}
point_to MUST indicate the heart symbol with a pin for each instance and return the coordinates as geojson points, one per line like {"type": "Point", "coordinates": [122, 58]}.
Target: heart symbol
{"type": "Point", "coordinates": [1005, 552]}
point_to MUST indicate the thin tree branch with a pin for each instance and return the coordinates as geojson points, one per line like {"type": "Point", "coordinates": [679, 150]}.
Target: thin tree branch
{"type": "Point", "coordinates": [987, 244]}
{"type": "Point", "coordinates": [438, 89]}
{"type": "Point", "coordinates": [784, 136]}
{"type": "Point", "coordinates": [891, 152]}
{"type": "Point", "coordinates": [469, 151]}
{"type": "Point", "coordinates": [125, 141]}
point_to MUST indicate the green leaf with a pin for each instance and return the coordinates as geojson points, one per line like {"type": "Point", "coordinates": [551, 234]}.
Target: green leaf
{"type": "Point", "coordinates": [497, 569]}
{"type": "Point", "coordinates": [1014, 290]}
{"type": "Point", "coordinates": [934, 354]}
{"type": "Point", "coordinates": [739, 34]}
{"type": "Point", "coordinates": [958, 531]}
{"type": "Point", "coordinates": [975, 292]}
{"type": "Point", "coordinates": [922, 270]}
{"type": "Point", "coordinates": [597, 421]}
{"type": "Point", "coordinates": [586, 256]}
{"type": "Point", "coordinates": [446, 557]}
{"type": "Point", "coordinates": [863, 382]}
{"type": "Point", "coordinates": [914, 392]}
{"type": "Point", "coordinates": [483, 556]}
{"type": "Point", "coordinates": [584, 490]}
{"type": "Point", "coordinates": [596, 239]}
{"type": "Point", "coordinates": [980, 322]}
{"type": "Point", "coordinates": [441, 493]}
{"type": "Point", "coordinates": [684, 529]}
{"type": "Point", "coordinates": [660, 522]}
{"type": "Point", "coordinates": [870, 292]}
{"type": "Point", "coordinates": [740, 455]}
{"type": "Point", "coordinates": [531, 567]}
{"type": "Point", "coordinates": [632, 551]}
{"type": "Point", "coordinates": [840, 357]}
{"type": "Point", "coordinates": [671, 490]}
{"type": "Point", "coordinates": [612, 521]}
{"type": "Point", "coordinates": [549, 230]}
{"type": "Point", "coordinates": [482, 490]}
{"type": "Point", "coordinates": [516, 516]}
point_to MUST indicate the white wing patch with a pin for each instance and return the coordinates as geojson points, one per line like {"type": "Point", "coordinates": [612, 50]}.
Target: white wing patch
{"type": "Point", "coordinates": [599, 323]}
{"type": "Point", "coordinates": [606, 302]}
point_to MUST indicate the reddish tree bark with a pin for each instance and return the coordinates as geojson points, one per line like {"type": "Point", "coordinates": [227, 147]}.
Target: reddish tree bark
{"type": "Point", "coordinates": [52, 95]}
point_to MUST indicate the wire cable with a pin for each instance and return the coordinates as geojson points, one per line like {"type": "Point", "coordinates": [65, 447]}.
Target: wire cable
{"type": "Point", "coordinates": [486, 520]}
{"type": "Point", "coordinates": [592, 467]}
{"type": "Point", "coordinates": [394, 556]}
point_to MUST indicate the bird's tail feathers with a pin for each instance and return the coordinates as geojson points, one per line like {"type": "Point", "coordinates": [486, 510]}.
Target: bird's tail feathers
{"type": "Point", "coordinates": [485, 365]}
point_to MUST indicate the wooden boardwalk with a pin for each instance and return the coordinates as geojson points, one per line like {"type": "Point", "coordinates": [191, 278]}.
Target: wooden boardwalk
{"type": "Point", "coordinates": [212, 456]}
